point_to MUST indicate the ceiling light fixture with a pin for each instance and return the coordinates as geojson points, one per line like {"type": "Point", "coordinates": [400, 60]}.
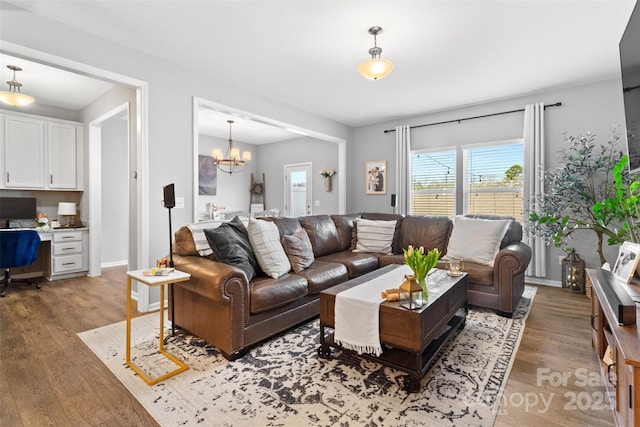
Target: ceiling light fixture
{"type": "Point", "coordinates": [13, 95]}
{"type": "Point", "coordinates": [375, 68]}
{"type": "Point", "coordinates": [232, 162]}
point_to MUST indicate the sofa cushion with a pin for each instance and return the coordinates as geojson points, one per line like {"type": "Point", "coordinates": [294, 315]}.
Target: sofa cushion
{"type": "Point", "coordinates": [375, 236]}
{"type": "Point", "coordinates": [184, 244]}
{"type": "Point", "coordinates": [199, 239]}
{"type": "Point", "coordinates": [357, 263]}
{"type": "Point", "coordinates": [265, 242]}
{"type": "Point", "coordinates": [396, 248]}
{"type": "Point", "coordinates": [476, 240]}
{"type": "Point", "coordinates": [297, 247]}
{"type": "Point", "coordinates": [230, 244]}
{"type": "Point", "coordinates": [427, 231]}
{"type": "Point", "coordinates": [322, 233]}
{"type": "Point", "coordinates": [344, 225]}
{"type": "Point", "coordinates": [268, 293]}
{"type": "Point", "coordinates": [323, 275]}
{"type": "Point", "coordinates": [514, 232]}
{"type": "Point", "coordinates": [286, 225]}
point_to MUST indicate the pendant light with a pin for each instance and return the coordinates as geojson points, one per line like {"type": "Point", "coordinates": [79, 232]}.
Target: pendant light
{"type": "Point", "coordinates": [232, 162]}
{"type": "Point", "coordinates": [375, 68]}
{"type": "Point", "coordinates": [13, 95]}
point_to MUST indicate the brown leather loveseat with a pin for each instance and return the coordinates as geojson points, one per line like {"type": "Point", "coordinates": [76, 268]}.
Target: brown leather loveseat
{"type": "Point", "coordinates": [219, 305]}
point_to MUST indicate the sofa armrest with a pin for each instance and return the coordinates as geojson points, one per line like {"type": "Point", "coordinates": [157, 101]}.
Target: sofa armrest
{"type": "Point", "coordinates": [214, 280]}
{"type": "Point", "coordinates": [513, 258]}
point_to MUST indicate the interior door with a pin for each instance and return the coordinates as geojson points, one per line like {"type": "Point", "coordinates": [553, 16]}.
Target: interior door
{"type": "Point", "coordinates": [298, 193]}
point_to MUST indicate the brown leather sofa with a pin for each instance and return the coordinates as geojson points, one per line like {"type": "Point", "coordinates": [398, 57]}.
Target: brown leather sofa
{"type": "Point", "coordinates": [220, 306]}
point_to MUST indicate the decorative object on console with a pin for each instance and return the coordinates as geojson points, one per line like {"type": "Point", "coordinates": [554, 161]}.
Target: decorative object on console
{"type": "Point", "coordinates": [573, 274]}
{"type": "Point", "coordinates": [627, 261]}
{"type": "Point", "coordinates": [67, 210]}
{"type": "Point", "coordinates": [232, 162]}
{"type": "Point", "coordinates": [375, 68]}
{"type": "Point", "coordinates": [414, 292]}
{"type": "Point", "coordinates": [13, 96]}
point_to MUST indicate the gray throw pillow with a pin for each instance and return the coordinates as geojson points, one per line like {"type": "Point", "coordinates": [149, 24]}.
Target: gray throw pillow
{"type": "Point", "coordinates": [230, 244]}
{"type": "Point", "coordinates": [299, 250]}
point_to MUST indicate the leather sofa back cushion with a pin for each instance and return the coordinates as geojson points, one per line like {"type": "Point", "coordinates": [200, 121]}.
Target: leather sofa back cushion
{"type": "Point", "coordinates": [299, 250]}
{"type": "Point", "coordinates": [322, 233]}
{"type": "Point", "coordinates": [230, 244]}
{"type": "Point", "coordinates": [344, 225]}
{"type": "Point", "coordinates": [428, 231]}
{"type": "Point", "coordinates": [184, 244]}
{"type": "Point", "coordinates": [395, 246]}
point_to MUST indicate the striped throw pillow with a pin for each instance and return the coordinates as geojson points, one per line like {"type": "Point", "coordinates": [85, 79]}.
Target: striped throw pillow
{"type": "Point", "coordinates": [374, 236]}
{"type": "Point", "coordinates": [197, 231]}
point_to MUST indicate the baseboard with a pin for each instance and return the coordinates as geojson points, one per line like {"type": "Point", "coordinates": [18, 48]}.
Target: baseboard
{"type": "Point", "coordinates": [114, 264]}
{"type": "Point", "coordinates": [543, 282]}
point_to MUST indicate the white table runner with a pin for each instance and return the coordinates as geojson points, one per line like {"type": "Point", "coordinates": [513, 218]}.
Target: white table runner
{"type": "Point", "coordinates": [357, 312]}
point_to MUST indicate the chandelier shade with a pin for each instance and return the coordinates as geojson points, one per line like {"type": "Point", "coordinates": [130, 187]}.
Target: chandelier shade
{"type": "Point", "coordinates": [13, 96]}
{"type": "Point", "coordinates": [231, 162]}
{"type": "Point", "coordinates": [375, 68]}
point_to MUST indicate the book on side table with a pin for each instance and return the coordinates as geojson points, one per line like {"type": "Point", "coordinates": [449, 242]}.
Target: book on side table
{"type": "Point", "coordinates": [158, 272]}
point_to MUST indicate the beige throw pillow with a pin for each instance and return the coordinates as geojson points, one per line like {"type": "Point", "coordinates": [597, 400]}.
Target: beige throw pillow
{"type": "Point", "coordinates": [299, 250]}
{"type": "Point", "coordinates": [375, 236]}
{"type": "Point", "coordinates": [476, 240]}
{"type": "Point", "coordinates": [265, 241]}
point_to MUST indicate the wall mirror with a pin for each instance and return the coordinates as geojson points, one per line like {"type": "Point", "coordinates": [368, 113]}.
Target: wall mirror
{"type": "Point", "coordinates": [272, 145]}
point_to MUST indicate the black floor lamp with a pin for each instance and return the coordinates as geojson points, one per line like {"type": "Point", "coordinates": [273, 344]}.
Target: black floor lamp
{"type": "Point", "coordinates": [170, 202]}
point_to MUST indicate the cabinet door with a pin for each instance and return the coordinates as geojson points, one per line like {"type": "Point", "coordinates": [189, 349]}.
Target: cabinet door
{"type": "Point", "coordinates": [24, 153]}
{"type": "Point", "coordinates": [63, 156]}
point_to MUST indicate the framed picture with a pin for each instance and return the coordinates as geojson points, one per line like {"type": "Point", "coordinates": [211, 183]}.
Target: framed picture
{"type": "Point", "coordinates": [376, 177]}
{"type": "Point", "coordinates": [207, 176]}
{"type": "Point", "coordinates": [627, 261]}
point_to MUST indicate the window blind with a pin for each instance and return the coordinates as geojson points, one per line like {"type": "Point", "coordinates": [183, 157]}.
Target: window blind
{"type": "Point", "coordinates": [433, 183]}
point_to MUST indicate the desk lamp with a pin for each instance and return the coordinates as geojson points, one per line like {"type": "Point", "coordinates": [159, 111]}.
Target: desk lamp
{"type": "Point", "coordinates": [66, 210]}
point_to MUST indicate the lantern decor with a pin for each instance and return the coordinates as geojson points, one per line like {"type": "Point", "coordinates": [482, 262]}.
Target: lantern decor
{"type": "Point", "coordinates": [414, 292]}
{"type": "Point", "coordinates": [573, 277]}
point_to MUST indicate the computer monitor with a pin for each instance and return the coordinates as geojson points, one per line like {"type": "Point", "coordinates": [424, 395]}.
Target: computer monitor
{"type": "Point", "coordinates": [16, 208]}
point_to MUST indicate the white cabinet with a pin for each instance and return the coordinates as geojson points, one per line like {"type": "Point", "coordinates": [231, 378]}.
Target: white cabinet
{"type": "Point", "coordinates": [69, 253]}
{"type": "Point", "coordinates": [24, 152]}
{"type": "Point", "coordinates": [41, 153]}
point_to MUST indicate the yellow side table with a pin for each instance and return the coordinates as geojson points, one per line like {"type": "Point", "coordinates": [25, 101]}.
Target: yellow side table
{"type": "Point", "coordinates": [174, 277]}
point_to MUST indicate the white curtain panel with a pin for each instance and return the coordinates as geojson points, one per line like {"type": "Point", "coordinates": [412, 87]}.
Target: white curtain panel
{"type": "Point", "coordinates": [534, 147]}
{"type": "Point", "coordinates": [403, 148]}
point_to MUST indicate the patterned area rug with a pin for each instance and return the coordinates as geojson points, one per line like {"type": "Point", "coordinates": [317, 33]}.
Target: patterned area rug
{"type": "Point", "coordinates": [283, 382]}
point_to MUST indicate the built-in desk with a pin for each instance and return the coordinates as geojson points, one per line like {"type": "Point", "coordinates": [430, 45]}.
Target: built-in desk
{"type": "Point", "coordinates": [63, 253]}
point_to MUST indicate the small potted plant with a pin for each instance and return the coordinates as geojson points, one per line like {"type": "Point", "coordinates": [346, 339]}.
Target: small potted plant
{"type": "Point", "coordinates": [412, 296]}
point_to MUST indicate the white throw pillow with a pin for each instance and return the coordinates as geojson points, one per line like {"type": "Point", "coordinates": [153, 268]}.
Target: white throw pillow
{"type": "Point", "coordinates": [200, 240]}
{"type": "Point", "coordinates": [265, 241]}
{"type": "Point", "coordinates": [374, 236]}
{"type": "Point", "coordinates": [477, 240]}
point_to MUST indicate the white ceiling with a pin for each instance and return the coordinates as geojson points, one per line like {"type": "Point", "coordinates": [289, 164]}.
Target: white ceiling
{"type": "Point", "coordinates": [305, 53]}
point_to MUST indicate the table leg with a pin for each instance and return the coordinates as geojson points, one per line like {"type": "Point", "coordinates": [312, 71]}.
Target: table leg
{"type": "Point", "coordinates": [128, 359]}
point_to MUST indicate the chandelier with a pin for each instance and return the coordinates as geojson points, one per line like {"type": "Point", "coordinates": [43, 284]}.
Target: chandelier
{"type": "Point", "coordinates": [13, 95]}
{"type": "Point", "coordinates": [375, 68]}
{"type": "Point", "coordinates": [231, 161]}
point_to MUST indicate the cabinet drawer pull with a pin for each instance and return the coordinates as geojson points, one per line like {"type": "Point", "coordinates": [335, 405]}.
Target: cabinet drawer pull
{"type": "Point", "coordinates": [68, 263]}
{"type": "Point", "coordinates": [50, 179]}
{"type": "Point", "coordinates": [68, 249]}
{"type": "Point", "coordinates": [593, 317]}
{"type": "Point", "coordinates": [613, 383]}
{"type": "Point", "coordinates": [67, 237]}
{"type": "Point", "coordinates": [8, 180]}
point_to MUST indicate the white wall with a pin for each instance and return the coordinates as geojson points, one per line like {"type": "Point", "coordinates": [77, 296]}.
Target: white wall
{"type": "Point", "coordinates": [321, 154]}
{"type": "Point", "coordinates": [115, 194]}
{"type": "Point", "coordinates": [584, 108]}
{"type": "Point", "coordinates": [170, 92]}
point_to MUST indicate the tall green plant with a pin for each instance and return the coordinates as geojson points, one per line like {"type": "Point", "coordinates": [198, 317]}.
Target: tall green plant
{"type": "Point", "coordinates": [621, 210]}
{"type": "Point", "coordinates": [582, 179]}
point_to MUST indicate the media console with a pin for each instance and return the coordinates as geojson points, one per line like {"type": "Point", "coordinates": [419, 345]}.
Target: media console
{"type": "Point", "coordinates": [622, 372]}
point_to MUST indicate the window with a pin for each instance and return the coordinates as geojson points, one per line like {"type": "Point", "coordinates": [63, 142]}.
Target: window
{"type": "Point", "coordinates": [433, 183]}
{"type": "Point", "coordinates": [493, 179]}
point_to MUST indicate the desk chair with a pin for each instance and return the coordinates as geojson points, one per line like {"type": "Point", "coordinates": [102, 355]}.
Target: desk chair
{"type": "Point", "coordinates": [17, 249]}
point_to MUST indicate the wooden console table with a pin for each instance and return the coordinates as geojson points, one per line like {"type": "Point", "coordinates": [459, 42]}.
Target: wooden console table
{"type": "Point", "coordinates": [624, 342]}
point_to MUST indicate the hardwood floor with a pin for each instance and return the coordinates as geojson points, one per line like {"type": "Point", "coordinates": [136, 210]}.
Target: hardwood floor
{"type": "Point", "coordinates": [49, 377]}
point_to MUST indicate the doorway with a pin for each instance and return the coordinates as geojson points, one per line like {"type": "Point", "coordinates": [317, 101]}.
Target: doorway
{"type": "Point", "coordinates": [298, 190]}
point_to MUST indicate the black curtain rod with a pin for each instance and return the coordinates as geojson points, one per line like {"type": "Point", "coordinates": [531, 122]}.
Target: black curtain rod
{"type": "Point", "coordinates": [557, 104]}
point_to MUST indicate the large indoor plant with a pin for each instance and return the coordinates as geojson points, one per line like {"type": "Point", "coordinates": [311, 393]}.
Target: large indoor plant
{"type": "Point", "coordinates": [582, 180]}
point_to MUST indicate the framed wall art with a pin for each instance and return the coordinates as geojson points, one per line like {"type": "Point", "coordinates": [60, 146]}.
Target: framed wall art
{"type": "Point", "coordinates": [376, 177]}
{"type": "Point", "coordinates": [208, 176]}
{"type": "Point", "coordinates": [627, 261]}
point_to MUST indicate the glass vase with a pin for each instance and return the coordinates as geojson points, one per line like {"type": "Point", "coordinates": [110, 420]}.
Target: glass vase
{"type": "Point", "coordinates": [413, 293]}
